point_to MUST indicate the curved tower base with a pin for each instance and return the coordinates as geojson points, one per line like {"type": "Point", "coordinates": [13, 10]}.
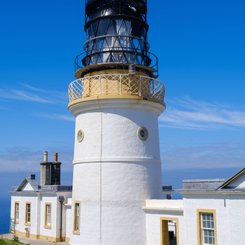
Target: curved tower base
{"type": "Point", "coordinates": [116, 168]}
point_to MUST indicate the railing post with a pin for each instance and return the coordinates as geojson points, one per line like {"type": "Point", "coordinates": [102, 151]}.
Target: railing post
{"type": "Point", "coordinates": [82, 87]}
{"type": "Point", "coordinates": [129, 83]}
{"type": "Point", "coordinates": [153, 86]}
{"type": "Point", "coordinates": [120, 80]}
{"type": "Point", "coordinates": [140, 86]}
{"type": "Point", "coordinates": [100, 86]}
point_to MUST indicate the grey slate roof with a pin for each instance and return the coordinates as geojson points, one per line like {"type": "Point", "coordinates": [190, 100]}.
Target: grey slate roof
{"type": "Point", "coordinates": [205, 184]}
{"type": "Point", "coordinates": [38, 188]}
{"type": "Point", "coordinates": [32, 182]}
{"type": "Point", "coordinates": [212, 185]}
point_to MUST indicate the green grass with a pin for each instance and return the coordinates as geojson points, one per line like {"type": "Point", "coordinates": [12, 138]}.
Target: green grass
{"type": "Point", "coordinates": [6, 242]}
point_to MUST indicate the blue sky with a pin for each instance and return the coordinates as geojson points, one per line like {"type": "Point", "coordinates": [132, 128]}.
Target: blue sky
{"type": "Point", "coordinates": [200, 45]}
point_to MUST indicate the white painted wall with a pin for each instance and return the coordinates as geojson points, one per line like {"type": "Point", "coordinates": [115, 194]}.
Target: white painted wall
{"type": "Point", "coordinates": [38, 214]}
{"type": "Point", "coordinates": [230, 217]}
{"type": "Point", "coordinates": [157, 209]}
{"type": "Point", "coordinates": [114, 171]}
{"type": "Point", "coordinates": [52, 232]}
{"type": "Point", "coordinates": [68, 217]}
{"type": "Point", "coordinates": [56, 212]}
{"type": "Point", "coordinates": [236, 219]}
{"type": "Point", "coordinates": [33, 228]}
{"type": "Point", "coordinates": [220, 204]}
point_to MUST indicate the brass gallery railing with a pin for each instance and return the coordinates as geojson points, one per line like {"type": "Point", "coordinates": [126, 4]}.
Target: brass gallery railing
{"type": "Point", "coordinates": [117, 85]}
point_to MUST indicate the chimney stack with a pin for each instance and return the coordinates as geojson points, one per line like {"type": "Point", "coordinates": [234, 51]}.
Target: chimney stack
{"type": "Point", "coordinates": [55, 170]}
{"type": "Point", "coordinates": [45, 170]}
{"type": "Point", "coordinates": [50, 171]}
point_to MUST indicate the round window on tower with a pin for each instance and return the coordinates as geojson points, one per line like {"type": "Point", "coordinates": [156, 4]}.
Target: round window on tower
{"type": "Point", "coordinates": [143, 133]}
{"type": "Point", "coordinates": [80, 136]}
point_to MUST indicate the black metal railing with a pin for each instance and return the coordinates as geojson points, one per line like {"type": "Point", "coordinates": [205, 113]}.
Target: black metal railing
{"type": "Point", "coordinates": [118, 56]}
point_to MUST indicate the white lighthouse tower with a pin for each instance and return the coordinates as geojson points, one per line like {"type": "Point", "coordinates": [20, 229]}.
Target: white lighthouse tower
{"type": "Point", "coordinates": [116, 101]}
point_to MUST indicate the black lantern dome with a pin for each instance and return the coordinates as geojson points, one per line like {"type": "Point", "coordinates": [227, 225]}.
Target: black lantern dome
{"type": "Point", "coordinates": [116, 37]}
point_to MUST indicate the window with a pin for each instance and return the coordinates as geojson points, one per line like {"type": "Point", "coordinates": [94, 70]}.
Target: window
{"type": "Point", "coordinates": [77, 218]}
{"type": "Point", "coordinates": [207, 227]}
{"type": "Point", "coordinates": [48, 215]}
{"type": "Point", "coordinates": [28, 214]}
{"type": "Point", "coordinates": [16, 212]}
{"type": "Point", "coordinates": [143, 133]}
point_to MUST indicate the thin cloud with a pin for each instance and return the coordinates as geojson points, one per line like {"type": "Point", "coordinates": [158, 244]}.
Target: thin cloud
{"type": "Point", "coordinates": [220, 155]}
{"type": "Point", "coordinates": [30, 87]}
{"type": "Point", "coordinates": [57, 94]}
{"type": "Point", "coordinates": [21, 160]}
{"type": "Point", "coordinates": [33, 94]}
{"type": "Point", "coordinates": [61, 117]}
{"type": "Point", "coordinates": [191, 114]}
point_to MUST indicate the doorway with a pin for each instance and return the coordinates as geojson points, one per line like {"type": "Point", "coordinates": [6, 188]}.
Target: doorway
{"type": "Point", "coordinates": [169, 231]}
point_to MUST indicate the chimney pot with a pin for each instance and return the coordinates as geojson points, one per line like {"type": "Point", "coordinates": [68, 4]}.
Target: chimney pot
{"type": "Point", "coordinates": [45, 156]}
{"type": "Point", "coordinates": [33, 176]}
{"type": "Point", "coordinates": [56, 157]}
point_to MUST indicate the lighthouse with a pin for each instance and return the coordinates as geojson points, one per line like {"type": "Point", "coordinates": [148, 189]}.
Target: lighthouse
{"type": "Point", "coordinates": [116, 100]}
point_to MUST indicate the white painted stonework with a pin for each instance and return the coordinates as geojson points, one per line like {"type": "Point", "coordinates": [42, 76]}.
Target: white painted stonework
{"type": "Point", "coordinates": [55, 208]}
{"type": "Point", "coordinates": [155, 210]}
{"type": "Point", "coordinates": [37, 225]}
{"type": "Point", "coordinates": [21, 226]}
{"type": "Point", "coordinates": [115, 171]}
{"type": "Point", "coordinates": [68, 219]}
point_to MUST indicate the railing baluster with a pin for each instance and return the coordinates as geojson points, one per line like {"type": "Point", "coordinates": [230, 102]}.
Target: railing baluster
{"type": "Point", "coordinates": [100, 85]}
{"type": "Point", "coordinates": [140, 86]}
{"type": "Point", "coordinates": [120, 84]}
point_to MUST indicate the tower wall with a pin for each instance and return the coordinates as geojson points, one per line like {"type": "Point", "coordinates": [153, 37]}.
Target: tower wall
{"type": "Point", "coordinates": [114, 170]}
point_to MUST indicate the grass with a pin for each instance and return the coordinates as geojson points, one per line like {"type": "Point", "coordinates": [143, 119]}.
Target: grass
{"type": "Point", "coordinates": [6, 242]}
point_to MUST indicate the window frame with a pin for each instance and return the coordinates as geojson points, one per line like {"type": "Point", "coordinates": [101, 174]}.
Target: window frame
{"type": "Point", "coordinates": [76, 219]}
{"type": "Point", "coordinates": [162, 219]}
{"type": "Point", "coordinates": [200, 212]}
{"type": "Point", "coordinates": [27, 221]}
{"type": "Point", "coordinates": [16, 221]}
{"type": "Point", "coordinates": [46, 225]}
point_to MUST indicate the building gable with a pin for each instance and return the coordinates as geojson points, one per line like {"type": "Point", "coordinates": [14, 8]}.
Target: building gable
{"type": "Point", "coordinates": [27, 187]}
{"type": "Point", "coordinates": [28, 184]}
{"type": "Point", "coordinates": [237, 181]}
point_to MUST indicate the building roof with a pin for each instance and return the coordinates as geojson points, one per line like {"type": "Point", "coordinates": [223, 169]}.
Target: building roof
{"type": "Point", "coordinates": [29, 185]}
{"type": "Point", "coordinates": [25, 182]}
{"type": "Point", "coordinates": [205, 184]}
{"type": "Point", "coordinates": [232, 182]}
{"type": "Point", "coordinates": [234, 185]}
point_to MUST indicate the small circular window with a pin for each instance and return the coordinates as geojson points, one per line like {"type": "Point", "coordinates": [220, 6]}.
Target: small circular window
{"type": "Point", "coordinates": [80, 136]}
{"type": "Point", "coordinates": [143, 133]}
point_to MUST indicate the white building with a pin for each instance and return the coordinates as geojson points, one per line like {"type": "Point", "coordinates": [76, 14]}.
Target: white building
{"type": "Point", "coordinates": [39, 210]}
{"type": "Point", "coordinates": [211, 212]}
{"type": "Point", "coordinates": [117, 196]}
